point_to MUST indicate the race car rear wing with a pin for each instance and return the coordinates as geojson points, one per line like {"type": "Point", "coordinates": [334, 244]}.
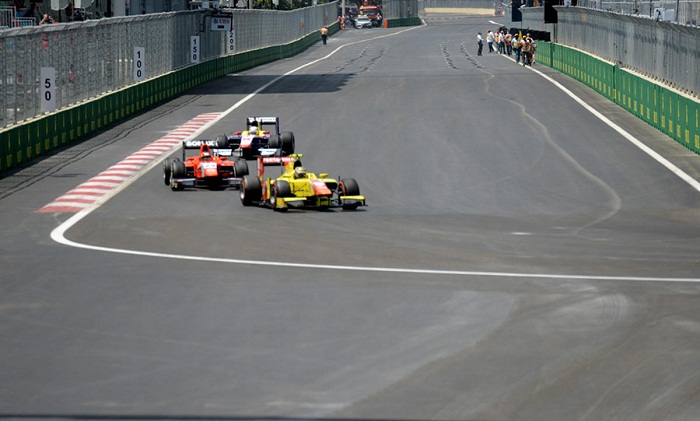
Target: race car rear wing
{"type": "Point", "coordinates": [274, 161]}
{"type": "Point", "coordinates": [213, 146]}
{"type": "Point", "coordinates": [264, 121]}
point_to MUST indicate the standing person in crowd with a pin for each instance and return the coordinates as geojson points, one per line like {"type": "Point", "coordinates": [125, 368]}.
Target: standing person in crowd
{"type": "Point", "coordinates": [324, 34]}
{"type": "Point", "coordinates": [480, 42]}
{"type": "Point", "coordinates": [46, 19]}
{"type": "Point", "coordinates": [517, 47]}
{"type": "Point", "coordinates": [489, 40]}
{"type": "Point", "coordinates": [527, 50]}
{"type": "Point", "coordinates": [509, 43]}
{"type": "Point", "coordinates": [501, 42]}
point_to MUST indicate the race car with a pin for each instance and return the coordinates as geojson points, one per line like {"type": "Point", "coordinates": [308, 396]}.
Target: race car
{"type": "Point", "coordinates": [297, 188]}
{"type": "Point", "coordinates": [210, 168]}
{"type": "Point", "coordinates": [256, 141]}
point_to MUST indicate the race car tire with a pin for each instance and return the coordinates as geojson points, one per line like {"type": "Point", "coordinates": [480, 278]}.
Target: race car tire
{"type": "Point", "coordinates": [287, 142]}
{"type": "Point", "coordinates": [274, 142]}
{"type": "Point", "coordinates": [167, 169]}
{"type": "Point", "coordinates": [240, 168]}
{"type": "Point", "coordinates": [251, 190]}
{"type": "Point", "coordinates": [222, 141]}
{"type": "Point", "coordinates": [177, 170]}
{"type": "Point", "coordinates": [279, 189]}
{"type": "Point", "coordinates": [349, 187]}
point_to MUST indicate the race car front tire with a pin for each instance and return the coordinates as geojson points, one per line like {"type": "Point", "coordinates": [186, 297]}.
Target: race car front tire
{"type": "Point", "coordinates": [251, 190]}
{"type": "Point", "coordinates": [280, 189]}
{"type": "Point", "coordinates": [349, 187]}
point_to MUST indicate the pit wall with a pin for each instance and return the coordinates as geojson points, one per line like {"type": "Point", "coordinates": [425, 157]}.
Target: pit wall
{"type": "Point", "coordinates": [22, 143]}
{"type": "Point", "coordinates": [671, 112]}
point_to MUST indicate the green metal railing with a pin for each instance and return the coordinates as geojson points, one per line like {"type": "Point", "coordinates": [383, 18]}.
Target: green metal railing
{"type": "Point", "coordinates": [671, 112]}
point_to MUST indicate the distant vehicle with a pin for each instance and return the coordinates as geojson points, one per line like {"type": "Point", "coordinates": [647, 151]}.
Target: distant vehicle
{"type": "Point", "coordinates": [256, 141]}
{"type": "Point", "coordinates": [207, 169]}
{"type": "Point", "coordinates": [373, 13]}
{"type": "Point", "coordinates": [297, 188]}
{"type": "Point", "coordinates": [363, 22]}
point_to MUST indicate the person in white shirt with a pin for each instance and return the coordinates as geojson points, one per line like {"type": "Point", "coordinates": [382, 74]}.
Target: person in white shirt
{"type": "Point", "coordinates": [489, 40]}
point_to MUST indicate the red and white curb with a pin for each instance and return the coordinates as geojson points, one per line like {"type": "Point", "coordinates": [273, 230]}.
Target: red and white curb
{"type": "Point", "coordinates": [91, 191]}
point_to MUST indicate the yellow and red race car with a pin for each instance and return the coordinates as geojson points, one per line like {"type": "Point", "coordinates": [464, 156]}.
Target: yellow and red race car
{"type": "Point", "coordinates": [298, 188]}
{"type": "Point", "coordinates": [207, 169]}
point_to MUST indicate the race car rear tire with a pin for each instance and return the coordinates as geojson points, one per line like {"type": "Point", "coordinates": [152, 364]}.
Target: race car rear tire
{"type": "Point", "coordinates": [287, 142]}
{"type": "Point", "coordinates": [177, 170]}
{"type": "Point", "coordinates": [167, 170]}
{"type": "Point", "coordinates": [280, 189]}
{"type": "Point", "coordinates": [240, 168]}
{"type": "Point", "coordinates": [222, 141]}
{"type": "Point", "coordinates": [274, 142]}
{"type": "Point", "coordinates": [349, 187]}
{"type": "Point", "coordinates": [251, 190]}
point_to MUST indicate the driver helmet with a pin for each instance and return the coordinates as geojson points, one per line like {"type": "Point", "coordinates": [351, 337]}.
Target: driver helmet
{"type": "Point", "coordinates": [253, 130]}
{"type": "Point", "coordinates": [206, 155]}
{"type": "Point", "coordinates": [299, 172]}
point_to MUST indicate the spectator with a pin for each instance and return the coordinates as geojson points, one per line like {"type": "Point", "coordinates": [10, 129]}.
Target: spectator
{"type": "Point", "coordinates": [480, 41]}
{"type": "Point", "coordinates": [324, 34]}
{"type": "Point", "coordinates": [501, 43]}
{"type": "Point", "coordinates": [46, 19]}
{"type": "Point", "coordinates": [517, 47]}
{"type": "Point", "coordinates": [489, 40]}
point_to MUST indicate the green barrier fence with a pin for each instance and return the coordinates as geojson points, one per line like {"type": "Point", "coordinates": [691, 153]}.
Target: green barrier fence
{"type": "Point", "coordinates": [394, 23]}
{"type": "Point", "coordinates": [670, 112]}
{"type": "Point", "coordinates": [22, 143]}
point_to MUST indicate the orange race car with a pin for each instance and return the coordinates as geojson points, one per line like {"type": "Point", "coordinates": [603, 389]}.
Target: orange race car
{"type": "Point", "coordinates": [208, 169]}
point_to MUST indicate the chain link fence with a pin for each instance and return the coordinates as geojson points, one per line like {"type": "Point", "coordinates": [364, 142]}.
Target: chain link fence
{"type": "Point", "coordinates": [662, 51]}
{"type": "Point", "coordinates": [97, 56]}
{"type": "Point", "coordinates": [685, 12]}
{"type": "Point", "coordinates": [459, 4]}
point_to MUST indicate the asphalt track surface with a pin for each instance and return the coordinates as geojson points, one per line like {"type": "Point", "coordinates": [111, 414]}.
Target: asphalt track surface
{"type": "Point", "coordinates": [520, 258]}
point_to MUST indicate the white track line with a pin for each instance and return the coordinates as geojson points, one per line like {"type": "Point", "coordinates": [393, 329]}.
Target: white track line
{"type": "Point", "coordinates": [58, 234]}
{"type": "Point", "coordinates": [633, 140]}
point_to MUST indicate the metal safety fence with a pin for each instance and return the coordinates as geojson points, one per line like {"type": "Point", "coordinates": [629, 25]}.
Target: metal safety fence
{"type": "Point", "coordinates": [94, 57]}
{"type": "Point", "coordinates": [459, 4]}
{"type": "Point", "coordinates": [9, 19]}
{"type": "Point", "coordinates": [685, 12]}
{"type": "Point", "coordinates": [664, 52]}
{"type": "Point", "coordinates": [400, 9]}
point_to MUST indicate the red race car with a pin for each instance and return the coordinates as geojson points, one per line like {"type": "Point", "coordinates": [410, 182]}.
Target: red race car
{"type": "Point", "coordinates": [208, 169]}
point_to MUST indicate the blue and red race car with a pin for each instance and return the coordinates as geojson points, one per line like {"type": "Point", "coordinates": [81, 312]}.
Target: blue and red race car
{"type": "Point", "coordinates": [257, 141]}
